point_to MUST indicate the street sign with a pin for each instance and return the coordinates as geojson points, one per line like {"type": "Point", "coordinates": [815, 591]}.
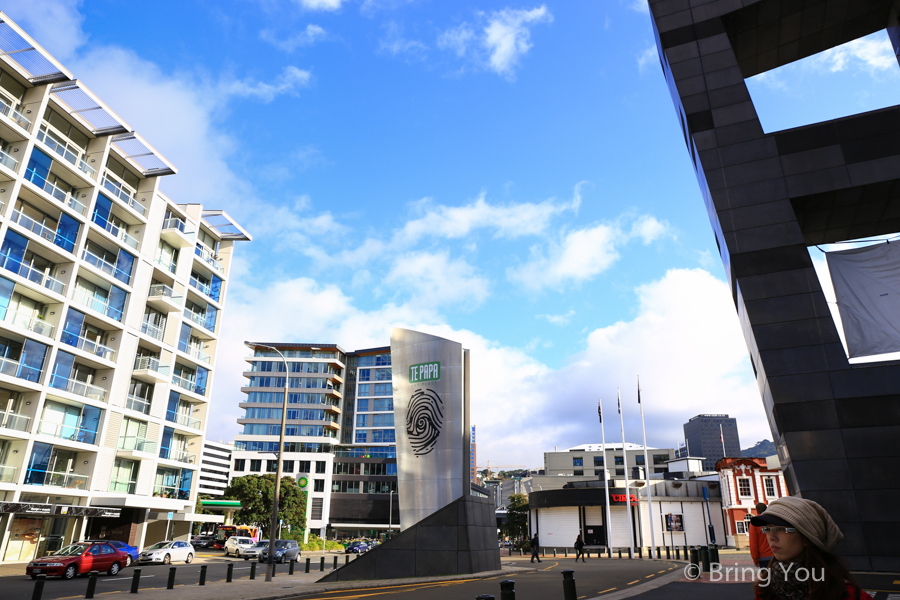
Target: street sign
{"type": "Point", "coordinates": [169, 516]}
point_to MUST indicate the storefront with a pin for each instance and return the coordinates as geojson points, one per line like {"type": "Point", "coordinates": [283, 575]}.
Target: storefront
{"type": "Point", "coordinates": [36, 529]}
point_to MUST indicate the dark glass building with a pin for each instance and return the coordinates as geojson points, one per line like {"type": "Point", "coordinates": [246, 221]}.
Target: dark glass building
{"type": "Point", "coordinates": [702, 436]}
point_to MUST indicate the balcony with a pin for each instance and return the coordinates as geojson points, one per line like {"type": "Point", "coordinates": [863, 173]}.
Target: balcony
{"type": "Point", "coordinates": [14, 421]}
{"type": "Point", "coordinates": [16, 369]}
{"type": "Point", "coordinates": [136, 403]}
{"type": "Point", "coordinates": [88, 345]}
{"type": "Point", "coordinates": [43, 231]}
{"type": "Point", "coordinates": [8, 474]}
{"type": "Point", "coordinates": [188, 384]}
{"type": "Point", "coordinates": [182, 456]}
{"type": "Point", "coordinates": [123, 192]}
{"type": "Point", "coordinates": [133, 443]}
{"type": "Point", "coordinates": [64, 148]}
{"type": "Point", "coordinates": [70, 481]}
{"type": "Point", "coordinates": [79, 388]}
{"type": "Point", "coordinates": [66, 198]}
{"type": "Point", "coordinates": [195, 353]}
{"type": "Point", "coordinates": [183, 420]}
{"type": "Point", "coordinates": [169, 491]}
{"type": "Point", "coordinates": [174, 232]}
{"type": "Point", "coordinates": [165, 263]}
{"type": "Point", "coordinates": [106, 266]}
{"type": "Point", "coordinates": [88, 300]}
{"type": "Point", "coordinates": [20, 119]}
{"type": "Point", "coordinates": [31, 323]}
{"type": "Point", "coordinates": [8, 161]}
{"type": "Point", "coordinates": [67, 432]}
{"type": "Point", "coordinates": [147, 368]}
{"type": "Point", "coordinates": [162, 297]}
{"type": "Point", "coordinates": [117, 232]}
{"type": "Point", "coordinates": [209, 258]}
{"type": "Point", "coordinates": [201, 287]}
{"type": "Point", "coordinates": [153, 331]}
{"type": "Point", "coordinates": [123, 486]}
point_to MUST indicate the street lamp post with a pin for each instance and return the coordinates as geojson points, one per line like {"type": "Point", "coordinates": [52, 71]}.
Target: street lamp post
{"type": "Point", "coordinates": [391, 516]}
{"type": "Point", "coordinates": [274, 529]}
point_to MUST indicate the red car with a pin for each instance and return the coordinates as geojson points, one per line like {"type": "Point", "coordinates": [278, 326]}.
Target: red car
{"type": "Point", "coordinates": [79, 558]}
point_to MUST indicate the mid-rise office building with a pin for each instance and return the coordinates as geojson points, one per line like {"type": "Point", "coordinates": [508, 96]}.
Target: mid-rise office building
{"type": "Point", "coordinates": [702, 436]}
{"type": "Point", "coordinates": [589, 460]}
{"type": "Point", "coordinates": [215, 464]}
{"type": "Point", "coordinates": [111, 298]}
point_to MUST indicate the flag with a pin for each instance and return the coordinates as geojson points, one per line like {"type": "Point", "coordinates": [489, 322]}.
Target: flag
{"type": "Point", "coordinates": [721, 439]}
{"type": "Point", "coordinates": [600, 411]}
{"type": "Point", "coordinates": [620, 403]}
{"type": "Point", "coordinates": [639, 389]}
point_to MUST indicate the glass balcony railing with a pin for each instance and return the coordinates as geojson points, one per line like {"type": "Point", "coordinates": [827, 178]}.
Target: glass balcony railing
{"type": "Point", "coordinates": [150, 363]}
{"type": "Point", "coordinates": [183, 420]}
{"type": "Point", "coordinates": [72, 481]}
{"type": "Point", "coordinates": [67, 432]}
{"type": "Point", "coordinates": [188, 384]}
{"type": "Point", "coordinates": [20, 119]}
{"type": "Point", "coordinates": [201, 287]}
{"type": "Point", "coordinates": [79, 388]}
{"type": "Point", "coordinates": [209, 258]}
{"type": "Point", "coordinates": [169, 491]}
{"type": "Point", "coordinates": [11, 263]}
{"type": "Point", "coordinates": [141, 405]}
{"type": "Point", "coordinates": [17, 369]}
{"type": "Point", "coordinates": [176, 223]}
{"type": "Point", "coordinates": [48, 233]}
{"type": "Point", "coordinates": [161, 289]}
{"type": "Point", "coordinates": [105, 266]}
{"type": "Point", "coordinates": [123, 192]}
{"type": "Point", "coordinates": [65, 197]}
{"type": "Point", "coordinates": [64, 148]}
{"type": "Point", "coordinates": [14, 421]}
{"type": "Point", "coordinates": [179, 455]}
{"type": "Point", "coordinates": [137, 444]}
{"type": "Point", "coordinates": [30, 322]}
{"type": "Point", "coordinates": [88, 345]}
{"type": "Point", "coordinates": [100, 305]}
{"type": "Point", "coordinates": [198, 318]}
{"type": "Point", "coordinates": [195, 352]}
{"type": "Point", "coordinates": [116, 231]}
{"type": "Point", "coordinates": [166, 263]}
{"type": "Point", "coordinates": [8, 161]}
{"type": "Point", "coordinates": [154, 331]}
{"type": "Point", "coordinates": [123, 486]}
{"type": "Point", "coordinates": [8, 474]}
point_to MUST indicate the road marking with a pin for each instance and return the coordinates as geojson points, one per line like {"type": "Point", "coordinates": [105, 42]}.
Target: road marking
{"type": "Point", "coordinates": [649, 576]}
{"type": "Point", "coordinates": [634, 582]}
{"type": "Point", "coordinates": [580, 597]}
{"type": "Point", "coordinates": [116, 592]}
{"type": "Point", "coordinates": [556, 564]}
{"type": "Point", "coordinates": [126, 578]}
{"type": "Point", "coordinates": [604, 591]}
{"type": "Point", "coordinates": [663, 571]}
{"type": "Point", "coordinates": [62, 597]}
{"type": "Point", "coordinates": [897, 582]}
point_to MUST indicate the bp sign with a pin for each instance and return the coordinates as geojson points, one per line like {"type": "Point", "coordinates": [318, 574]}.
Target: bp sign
{"type": "Point", "coordinates": [303, 482]}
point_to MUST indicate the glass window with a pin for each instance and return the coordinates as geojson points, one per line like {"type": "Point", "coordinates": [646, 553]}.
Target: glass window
{"type": "Point", "coordinates": [578, 461]}
{"type": "Point", "coordinates": [240, 464]}
{"type": "Point", "coordinates": [66, 233]}
{"type": "Point", "coordinates": [320, 466]}
{"type": "Point", "coordinates": [271, 466]}
{"type": "Point", "coordinates": [255, 465]}
{"type": "Point", "coordinates": [770, 487]}
{"type": "Point", "coordinates": [744, 487]}
{"type": "Point", "coordinates": [6, 291]}
{"type": "Point", "coordinates": [578, 472]}
{"type": "Point", "coordinates": [116, 305]}
{"type": "Point", "coordinates": [639, 459]}
{"type": "Point", "coordinates": [12, 252]}
{"type": "Point", "coordinates": [362, 420]}
{"type": "Point", "coordinates": [620, 460]}
{"type": "Point", "coordinates": [362, 405]}
{"type": "Point", "coordinates": [319, 485]}
{"type": "Point", "coordinates": [598, 461]}
{"type": "Point", "coordinates": [361, 436]}
{"type": "Point", "coordinates": [287, 466]}
{"type": "Point", "coordinates": [303, 466]}
{"type": "Point", "coordinates": [38, 168]}
{"type": "Point", "coordinates": [32, 363]}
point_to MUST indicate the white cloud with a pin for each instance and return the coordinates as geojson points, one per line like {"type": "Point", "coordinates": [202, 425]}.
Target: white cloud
{"type": "Point", "coordinates": [289, 81]}
{"type": "Point", "coordinates": [641, 6]}
{"type": "Point", "coordinates": [581, 254]}
{"type": "Point", "coordinates": [54, 24]}
{"type": "Point", "coordinates": [873, 53]}
{"type": "Point", "coordinates": [433, 280]}
{"type": "Point", "coordinates": [305, 37]}
{"type": "Point", "coordinates": [329, 5]}
{"type": "Point", "coordinates": [508, 38]}
{"type": "Point", "coordinates": [562, 319]}
{"type": "Point", "coordinates": [457, 39]}
{"type": "Point", "coordinates": [647, 58]}
{"type": "Point", "coordinates": [394, 43]}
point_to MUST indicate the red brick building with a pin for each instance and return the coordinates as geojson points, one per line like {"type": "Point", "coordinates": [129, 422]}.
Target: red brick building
{"type": "Point", "coordinates": [745, 482]}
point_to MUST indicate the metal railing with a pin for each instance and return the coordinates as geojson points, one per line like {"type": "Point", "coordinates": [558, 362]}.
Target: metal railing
{"type": "Point", "coordinates": [35, 227]}
{"type": "Point", "coordinates": [153, 331]}
{"type": "Point", "coordinates": [18, 267]}
{"type": "Point", "coordinates": [166, 263]}
{"type": "Point", "coordinates": [188, 384]}
{"type": "Point", "coordinates": [67, 432]}
{"type": "Point", "coordinates": [198, 318]}
{"type": "Point", "coordinates": [8, 161]}
{"type": "Point", "coordinates": [65, 148]}
{"type": "Point", "coordinates": [17, 369]}
{"type": "Point", "coordinates": [116, 231]}
{"type": "Point", "coordinates": [141, 405]}
{"type": "Point", "coordinates": [79, 388]}
{"type": "Point", "coordinates": [88, 300]}
{"type": "Point", "coordinates": [161, 289]}
{"type": "Point", "coordinates": [168, 491]}
{"type": "Point", "coordinates": [178, 455]}
{"type": "Point", "coordinates": [105, 266]}
{"type": "Point", "coordinates": [209, 258]}
{"type": "Point", "coordinates": [20, 119]}
{"type": "Point", "coordinates": [14, 421]}
{"type": "Point", "coordinates": [179, 224]}
{"type": "Point", "coordinates": [183, 420]}
{"type": "Point", "coordinates": [8, 474]}
{"type": "Point", "coordinates": [123, 192]}
{"type": "Point", "coordinates": [88, 345]}
{"type": "Point", "coordinates": [150, 363]}
{"type": "Point", "coordinates": [65, 197]}
{"type": "Point", "coordinates": [123, 486]}
{"type": "Point", "coordinates": [136, 444]}
{"type": "Point", "coordinates": [195, 352]}
{"type": "Point", "coordinates": [201, 287]}
{"type": "Point", "coordinates": [30, 322]}
{"type": "Point", "coordinates": [72, 481]}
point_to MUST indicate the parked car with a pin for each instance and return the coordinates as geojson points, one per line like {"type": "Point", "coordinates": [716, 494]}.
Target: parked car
{"type": "Point", "coordinates": [132, 551]}
{"type": "Point", "coordinates": [166, 552]}
{"type": "Point", "coordinates": [356, 548]}
{"type": "Point", "coordinates": [82, 557]}
{"type": "Point", "coordinates": [255, 550]}
{"type": "Point", "coordinates": [236, 544]}
{"type": "Point", "coordinates": [285, 551]}
{"type": "Point", "coordinates": [203, 541]}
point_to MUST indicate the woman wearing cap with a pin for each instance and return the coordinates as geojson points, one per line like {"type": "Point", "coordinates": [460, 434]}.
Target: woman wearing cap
{"type": "Point", "coordinates": [802, 537]}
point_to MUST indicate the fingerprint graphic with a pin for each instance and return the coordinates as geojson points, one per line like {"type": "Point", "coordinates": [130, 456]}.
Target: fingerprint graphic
{"type": "Point", "coordinates": [424, 420]}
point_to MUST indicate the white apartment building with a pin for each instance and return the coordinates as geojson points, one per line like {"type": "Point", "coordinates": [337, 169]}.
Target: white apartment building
{"type": "Point", "coordinates": [215, 463]}
{"type": "Point", "coordinates": [110, 307]}
{"type": "Point", "coordinates": [589, 460]}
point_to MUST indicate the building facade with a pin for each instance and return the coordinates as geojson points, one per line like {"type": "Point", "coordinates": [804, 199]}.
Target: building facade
{"type": "Point", "coordinates": [702, 436]}
{"type": "Point", "coordinates": [215, 464]}
{"type": "Point", "coordinates": [746, 482]}
{"type": "Point", "coordinates": [111, 298]}
{"type": "Point", "coordinates": [588, 460]}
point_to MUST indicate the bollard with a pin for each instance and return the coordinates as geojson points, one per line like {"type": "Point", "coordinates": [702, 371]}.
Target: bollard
{"type": "Point", "coordinates": [668, 553]}
{"type": "Point", "coordinates": [291, 567]}
{"type": "Point", "coordinates": [704, 558]}
{"type": "Point", "coordinates": [335, 562]}
{"type": "Point", "coordinates": [135, 581]}
{"type": "Point", "coordinates": [92, 585]}
{"type": "Point", "coordinates": [714, 554]}
{"type": "Point", "coordinates": [38, 587]}
{"type": "Point", "coordinates": [686, 553]}
{"type": "Point", "coordinates": [307, 565]}
{"type": "Point", "coordinates": [253, 569]}
{"type": "Point", "coordinates": [346, 559]}
{"type": "Point", "coordinates": [677, 553]}
{"type": "Point", "coordinates": [694, 558]}
{"type": "Point", "coordinates": [230, 574]}
{"type": "Point", "coordinates": [510, 550]}
{"type": "Point", "coordinates": [322, 564]}
{"type": "Point", "coordinates": [170, 585]}
{"type": "Point", "coordinates": [544, 552]}
{"type": "Point", "coordinates": [620, 553]}
{"type": "Point", "coordinates": [554, 553]}
{"type": "Point", "coordinates": [202, 575]}
{"type": "Point", "coordinates": [641, 552]}
{"type": "Point", "coordinates": [521, 552]}
{"type": "Point", "coordinates": [273, 568]}
{"type": "Point", "coordinates": [566, 551]}
{"type": "Point", "coordinates": [507, 591]}
{"type": "Point", "coordinates": [569, 585]}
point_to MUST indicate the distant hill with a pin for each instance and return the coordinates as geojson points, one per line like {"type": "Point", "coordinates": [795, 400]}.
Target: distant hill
{"type": "Point", "coordinates": [762, 449]}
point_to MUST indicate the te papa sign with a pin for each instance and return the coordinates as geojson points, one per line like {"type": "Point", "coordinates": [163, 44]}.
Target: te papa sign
{"type": "Point", "coordinates": [430, 371]}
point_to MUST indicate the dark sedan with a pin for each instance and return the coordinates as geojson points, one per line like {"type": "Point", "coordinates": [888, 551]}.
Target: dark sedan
{"type": "Point", "coordinates": [285, 551]}
{"type": "Point", "coordinates": [356, 548]}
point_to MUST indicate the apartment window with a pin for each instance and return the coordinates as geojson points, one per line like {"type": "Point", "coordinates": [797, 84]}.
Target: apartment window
{"type": "Point", "coordinates": [361, 436]}
{"type": "Point", "coordinates": [240, 464]}
{"type": "Point", "coordinates": [288, 466]}
{"type": "Point", "coordinates": [271, 466]}
{"type": "Point", "coordinates": [770, 487]}
{"type": "Point", "coordinates": [598, 472]}
{"type": "Point", "coordinates": [362, 405]}
{"type": "Point", "coordinates": [598, 461]}
{"type": "Point", "coordinates": [303, 466]}
{"type": "Point", "coordinates": [362, 420]}
{"type": "Point", "coordinates": [320, 466]}
{"type": "Point", "coordinates": [744, 487]}
{"type": "Point", "coordinates": [384, 404]}
{"type": "Point", "coordinates": [578, 472]}
{"type": "Point", "coordinates": [578, 461]}
{"type": "Point", "coordinates": [660, 459]}
{"type": "Point", "coordinates": [620, 472]}
{"type": "Point", "coordinates": [620, 460]}
{"type": "Point", "coordinates": [255, 465]}
{"type": "Point", "coordinates": [318, 485]}
{"type": "Point", "coordinates": [639, 460]}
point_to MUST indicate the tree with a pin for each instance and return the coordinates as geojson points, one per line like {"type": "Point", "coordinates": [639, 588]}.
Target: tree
{"type": "Point", "coordinates": [256, 494]}
{"type": "Point", "coordinates": [517, 516]}
{"type": "Point", "coordinates": [199, 510]}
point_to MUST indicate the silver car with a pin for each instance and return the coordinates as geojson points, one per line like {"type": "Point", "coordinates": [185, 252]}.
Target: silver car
{"type": "Point", "coordinates": [237, 544]}
{"type": "Point", "coordinates": [167, 552]}
{"type": "Point", "coordinates": [255, 550]}
{"type": "Point", "coordinates": [285, 551]}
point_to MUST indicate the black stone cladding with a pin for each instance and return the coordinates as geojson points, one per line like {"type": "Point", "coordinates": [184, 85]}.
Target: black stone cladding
{"type": "Point", "coordinates": [771, 196]}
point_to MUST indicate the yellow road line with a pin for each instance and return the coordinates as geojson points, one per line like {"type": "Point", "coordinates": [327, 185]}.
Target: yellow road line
{"type": "Point", "coordinates": [897, 582]}
{"type": "Point", "coordinates": [388, 587]}
{"type": "Point", "coordinates": [556, 564]}
{"type": "Point", "coordinates": [633, 582]}
{"type": "Point", "coordinates": [604, 591]}
{"type": "Point", "coordinates": [580, 597]}
{"type": "Point", "coordinates": [63, 597]}
{"type": "Point", "coordinates": [663, 571]}
{"type": "Point", "coordinates": [116, 592]}
{"type": "Point", "coordinates": [649, 576]}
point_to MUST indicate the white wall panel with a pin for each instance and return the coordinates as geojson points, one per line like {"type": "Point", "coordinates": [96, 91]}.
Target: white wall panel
{"type": "Point", "coordinates": [558, 526]}
{"type": "Point", "coordinates": [619, 522]}
{"type": "Point", "coordinates": [105, 459]}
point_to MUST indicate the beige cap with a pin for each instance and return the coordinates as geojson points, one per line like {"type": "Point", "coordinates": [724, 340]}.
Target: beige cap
{"type": "Point", "coordinates": [808, 517]}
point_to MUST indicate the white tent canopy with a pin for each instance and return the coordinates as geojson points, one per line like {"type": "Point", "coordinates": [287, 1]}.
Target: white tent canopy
{"type": "Point", "coordinates": [867, 286]}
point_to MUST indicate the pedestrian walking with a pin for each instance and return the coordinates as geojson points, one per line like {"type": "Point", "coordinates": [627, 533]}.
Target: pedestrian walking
{"type": "Point", "coordinates": [579, 548]}
{"type": "Point", "coordinates": [535, 546]}
{"type": "Point", "coordinates": [802, 537]}
{"type": "Point", "coordinates": [759, 547]}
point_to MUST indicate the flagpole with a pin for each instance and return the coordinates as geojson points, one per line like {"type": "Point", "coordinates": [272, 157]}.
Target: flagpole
{"type": "Point", "coordinates": [627, 495]}
{"type": "Point", "coordinates": [647, 474]}
{"type": "Point", "coordinates": [605, 478]}
{"type": "Point", "coordinates": [722, 439]}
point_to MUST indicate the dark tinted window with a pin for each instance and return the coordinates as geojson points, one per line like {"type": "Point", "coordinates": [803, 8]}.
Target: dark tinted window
{"type": "Point", "coordinates": [107, 549]}
{"type": "Point", "coordinates": [95, 550]}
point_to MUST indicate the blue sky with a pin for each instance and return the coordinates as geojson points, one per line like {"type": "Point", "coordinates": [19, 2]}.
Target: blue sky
{"type": "Point", "coordinates": [509, 175]}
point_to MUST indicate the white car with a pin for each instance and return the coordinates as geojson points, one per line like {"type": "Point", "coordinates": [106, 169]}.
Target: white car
{"type": "Point", "coordinates": [166, 552]}
{"type": "Point", "coordinates": [236, 544]}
